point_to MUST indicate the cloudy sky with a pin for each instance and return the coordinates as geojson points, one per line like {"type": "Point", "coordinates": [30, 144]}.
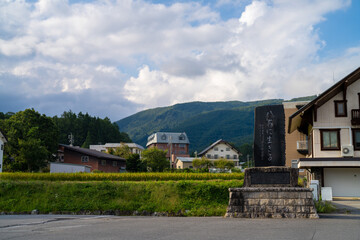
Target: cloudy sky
{"type": "Point", "coordinates": [114, 58]}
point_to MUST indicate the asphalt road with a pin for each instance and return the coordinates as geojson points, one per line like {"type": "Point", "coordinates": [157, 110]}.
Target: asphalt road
{"type": "Point", "coordinates": [31, 227]}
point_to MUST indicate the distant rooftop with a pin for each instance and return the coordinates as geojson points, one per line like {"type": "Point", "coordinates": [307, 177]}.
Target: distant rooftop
{"type": "Point", "coordinates": [167, 137]}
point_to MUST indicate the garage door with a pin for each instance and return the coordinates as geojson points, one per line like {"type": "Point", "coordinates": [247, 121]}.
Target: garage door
{"type": "Point", "coordinates": [345, 182]}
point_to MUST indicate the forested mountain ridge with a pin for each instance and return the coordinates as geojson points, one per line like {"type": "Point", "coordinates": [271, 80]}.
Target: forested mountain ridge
{"type": "Point", "coordinates": [203, 122]}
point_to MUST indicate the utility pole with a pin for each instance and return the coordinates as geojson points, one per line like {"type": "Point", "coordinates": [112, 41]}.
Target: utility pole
{"type": "Point", "coordinates": [170, 140]}
{"type": "Point", "coordinates": [71, 139]}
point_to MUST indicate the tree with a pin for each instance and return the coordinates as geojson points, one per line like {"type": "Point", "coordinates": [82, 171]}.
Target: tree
{"type": "Point", "coordinates": [123, 151]}
{"type": "Point", "coordinates": [32, 139]}
{"type": "Point", "coordinates": [224, 164]}
{"type": "Point", "coordinates": [202, 163]}
{"type": "Point", "coordinates": [134, 164]}
{"type": "Point", "coordinates": [155, 159]}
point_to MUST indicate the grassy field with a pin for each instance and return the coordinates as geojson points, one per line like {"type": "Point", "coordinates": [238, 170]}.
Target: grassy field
{"type": "Point", "coordinates": [120, 176]}
{"type": "Point", "coordinates": [22, 193]}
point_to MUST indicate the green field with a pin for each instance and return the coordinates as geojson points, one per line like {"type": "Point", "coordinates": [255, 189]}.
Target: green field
{"type": "Point", "coordinates": [109, 194]}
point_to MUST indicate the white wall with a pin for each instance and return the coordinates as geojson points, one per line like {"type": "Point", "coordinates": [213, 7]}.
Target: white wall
{"type": "Point", "coordinates": [1, 153]}
{"type": "Point", "coordinates": [222, 151]}
{"type": "Point", "coordinates": [326, 119]}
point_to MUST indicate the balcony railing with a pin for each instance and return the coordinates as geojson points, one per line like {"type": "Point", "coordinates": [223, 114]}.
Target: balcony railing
{"type": "Point", "coordinates": [302, 147]}
{"type": "Point", "coordinates": [355, 116]}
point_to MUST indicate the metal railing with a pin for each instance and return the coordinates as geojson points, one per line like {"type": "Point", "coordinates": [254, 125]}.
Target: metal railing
{"type": "Point", "coordinates": [355, 116]}
{"type": "Point", "coordinates": [302, 145]}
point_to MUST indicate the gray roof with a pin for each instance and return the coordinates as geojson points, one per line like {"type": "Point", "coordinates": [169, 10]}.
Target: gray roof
{"type": "Point", "coordinates": [93, 153]}
{"type": "Point", "coordinates": [186, 159]}
{"type": "Point", "coordinates": [166, 137]}
{"type": "Point", "coordinates": [216, 143]}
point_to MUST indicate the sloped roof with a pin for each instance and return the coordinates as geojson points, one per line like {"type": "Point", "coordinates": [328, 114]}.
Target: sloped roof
{"type": "Point", "coordinates": [216, 143]}
{"type": "Point", "coordinates": [185, 159]}
{"type": "Point", "coordinates": [296, 118]}
{"type": "Point", "coordinates": [93, 153]}
{"type": "Point", "coordinates": [166, 137]}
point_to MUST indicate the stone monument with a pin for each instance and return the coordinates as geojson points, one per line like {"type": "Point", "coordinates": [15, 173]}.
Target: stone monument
{"type": "Point", "coordinates": [270, 189]}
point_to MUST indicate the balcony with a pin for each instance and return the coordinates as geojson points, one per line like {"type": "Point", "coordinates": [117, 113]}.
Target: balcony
{"type": "Point", "coordinates": [355, 117]}
{"type": "Point", "coordinates": [302, 147]}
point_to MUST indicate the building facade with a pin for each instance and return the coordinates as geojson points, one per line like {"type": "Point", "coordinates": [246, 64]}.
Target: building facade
{"type": "Point", "coordinates": [3, 140]}
{"type": "Point", "coordinates": [134, 147]}
{"type": "Point", "coordinates": [296, 142]}
{"type": "Point", "coordinates": [332, 125]}
{"type": "Point", "coordinates": [221, 149]}
{"type": "Point", "coordinates": [94, 159]}
{"type": "Point", "coordinates": [176, 144]}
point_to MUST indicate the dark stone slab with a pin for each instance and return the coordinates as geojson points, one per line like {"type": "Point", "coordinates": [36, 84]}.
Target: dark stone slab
{"type": "Point", "coordinates": [269, 136]}
{"type": "Point", "coordinates": [271, 177]}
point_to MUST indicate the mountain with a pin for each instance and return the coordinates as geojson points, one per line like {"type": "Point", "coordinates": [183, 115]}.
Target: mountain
{"type": "Point", "coordinates": [203, 122]}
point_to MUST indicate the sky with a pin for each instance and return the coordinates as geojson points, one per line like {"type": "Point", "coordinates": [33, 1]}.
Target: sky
{"type": "Point", "coordinates": [115, 58]}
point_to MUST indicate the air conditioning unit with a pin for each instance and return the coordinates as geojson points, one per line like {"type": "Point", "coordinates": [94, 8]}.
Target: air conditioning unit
{"type": "Point", "coordinates": [347, 150]}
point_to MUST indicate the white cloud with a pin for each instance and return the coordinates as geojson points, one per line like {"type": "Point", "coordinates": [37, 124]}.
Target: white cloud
{"type": "Point", "coordinates": [155, 55]}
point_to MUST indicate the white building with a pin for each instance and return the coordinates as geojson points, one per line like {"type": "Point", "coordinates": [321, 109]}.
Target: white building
{"type": "Point", "coordinates": [134, 148]}
{"type": "Point", "coordinates": [331, 123]}
{"type": "Point", "coordinates": [221, 149]}
{"type": "Point", "coordinates": [3, 140]}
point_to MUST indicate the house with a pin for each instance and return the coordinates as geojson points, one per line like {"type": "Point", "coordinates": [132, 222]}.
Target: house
{"type": "Point", "coordinates": [221, 149]}
{"type": "Point", "coordinates": [3, 140]}
{"type": "Point", "coordinates": [176, 144]}
{"type": "Point", "coordinates": [296, 142]}
{"type": "Point", "coordinates": [183, 162]}
{"type": "Point", "coordinates": [96, 160]}
{"type": "Point", "coordinates": [331, 123]}
{"type": "Point", "coordinates": [134, 148]}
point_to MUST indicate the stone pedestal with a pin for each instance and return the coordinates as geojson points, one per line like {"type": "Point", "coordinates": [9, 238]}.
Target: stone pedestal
{"type": "Point", "coordinates": [271, 202]}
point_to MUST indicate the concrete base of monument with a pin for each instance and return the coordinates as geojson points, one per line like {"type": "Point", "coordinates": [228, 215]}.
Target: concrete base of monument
{"type": "Point", "coordinates": [271, 202]}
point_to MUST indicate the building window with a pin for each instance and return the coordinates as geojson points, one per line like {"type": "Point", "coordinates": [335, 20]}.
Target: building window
{"type": "Point", "coordinates": [340, 108]}
{"type": "Point", "coordinates": [221, 150]}
{"type": "Point", "coordinates": [330, 139]}
{"type": "Point", "coordinates": [235, 156]}
{"type": "Point", "coordinates": [181, 145]}
{"type": "Point", "coordinates": [182, 137]}
{"type": "Point", "coordinates": [2, 146]}
{"type": "Point", "coordinates": [216, 156]}
{"type": "Point", "coordinates": [356, 139]}
{"type": "Point", "coordinates": [114, 163]}
{"type": "Point", "coordinates": [216, 149]}
{"type": "Point", "coordinates": [103, 162]}
{"type": "Point", "coordinates": [208, 156]}
{"type": "Point", "coordinates": [163, 137]}
{"type": "Point", "coordinates": [84, 158]}
{"type": "Point", "coordinates": [227, 149]}
{"type": "Point", "coordinates": [227, 156]}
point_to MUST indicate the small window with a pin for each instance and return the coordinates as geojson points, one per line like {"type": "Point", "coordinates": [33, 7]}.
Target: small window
{"type": "Point", "coordinates": [2, 146]}
{"type": "Point", "coordinates": [330, 139]}
{"type": "Point", "coordinates": [114, 163]}
{"type": "Point", "coordinates": [356, 139]}
{"type": "Point", "coordinates": [227, 156]}
{"type": "Point", "coordinates": [163, 137]}
{"type": "Point", "coordinates": [216, 149]}
{"type": "Point", "coordinates": [216, 156]}
{"type": "Point", "coordinates": [182, 137]}
{"type": "Point", "coordinates": [221, 150]}
{"type": "Point", "coordinates": [181, 145]}
{"type": "Point", "coordinates": [235, 156]}
{"type": "Point", "coordinates": [190, 167]}
{"type": "Point", "coordinates": [103, 162]}
{"type": "Point", "coordinates": [340, 109]}
{"type": "Point", "coordinates": [227, 149]}
{"type": "Point", "coordinates": [208, 156]}
{"type": "Point", "coordinates": [84, 158]}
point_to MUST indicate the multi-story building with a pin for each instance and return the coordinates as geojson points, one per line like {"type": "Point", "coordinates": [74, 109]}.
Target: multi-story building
{"type": "Point", "coordinates": [331, 123]}
{"type": "Point", "coordinates": [176, 144]}
{"type": "Point", "coordinates": [221, 149]}
{"type": "Point", "coordinates": [296, 142]}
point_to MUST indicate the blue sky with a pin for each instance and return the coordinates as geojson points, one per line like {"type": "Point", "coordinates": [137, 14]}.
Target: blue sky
{"type": "Point", "coordinates": [115, 58]}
